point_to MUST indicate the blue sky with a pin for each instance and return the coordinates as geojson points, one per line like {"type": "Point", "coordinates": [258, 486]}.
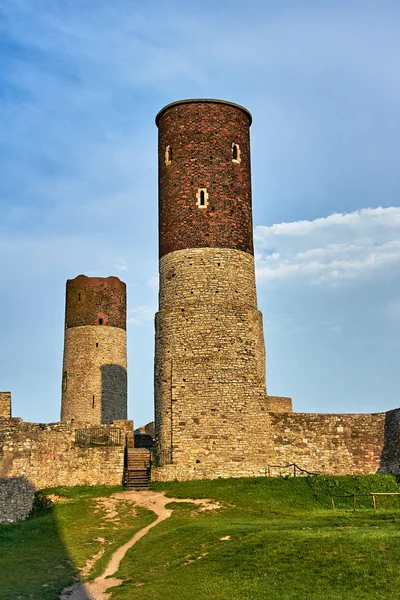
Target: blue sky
{"type": "Point", "coordinates": [80, 84]}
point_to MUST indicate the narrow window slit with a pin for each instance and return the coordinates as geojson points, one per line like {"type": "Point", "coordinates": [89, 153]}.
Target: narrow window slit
{"type": "Point", "coordinates": [168, 155]}
{"type": "Point", "coordinates": [202, 198]}
{"type": "Point", "coordinates": [235, 149]}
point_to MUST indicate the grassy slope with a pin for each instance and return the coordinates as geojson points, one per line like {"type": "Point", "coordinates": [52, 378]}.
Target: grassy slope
{"type": "Point", "coordinates": [39, 557]}
{"type": "Point", "coordinates": [286, 542]}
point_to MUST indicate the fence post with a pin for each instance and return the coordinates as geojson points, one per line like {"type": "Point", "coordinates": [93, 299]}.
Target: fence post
{"type": "Point", "coordinates": [333, 503]}
{"type": "Point", "coordinates": [354, 502]}
{"type": "Point", "coordinates": [374, 501]}
{"type": "Point", "coordinates": [294, 469]}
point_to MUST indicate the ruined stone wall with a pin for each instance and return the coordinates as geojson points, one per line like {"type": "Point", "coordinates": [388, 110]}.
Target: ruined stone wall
{"type": "Point", "coordinates": [342, 444]}
{"type": "Point", "coordinates": [47, 455]}
{"type": "Point", "coordinates": [5, 405]}
{"type": "Point", "coordinates": [16, 499]}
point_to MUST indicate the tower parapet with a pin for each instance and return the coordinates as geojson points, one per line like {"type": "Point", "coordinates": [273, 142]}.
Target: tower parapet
{"type": "Point", "coordinates": [94, 385]}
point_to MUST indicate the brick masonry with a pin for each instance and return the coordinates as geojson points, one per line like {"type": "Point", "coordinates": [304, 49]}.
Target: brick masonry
{"type": "Point", "coordinates": [5, 405]}
{"type": "Point", "coordinates": [200, 136]}
{"type": "Point", "coordinates": [89, 299]}
{"type": "Point", "coordinates": [94, 379]}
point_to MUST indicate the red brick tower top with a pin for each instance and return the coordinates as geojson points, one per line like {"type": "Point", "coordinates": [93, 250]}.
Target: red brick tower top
{"type": "Point", "coordinates": [95, 301]}
{"type": "Point", "coordinates": [204, 176]}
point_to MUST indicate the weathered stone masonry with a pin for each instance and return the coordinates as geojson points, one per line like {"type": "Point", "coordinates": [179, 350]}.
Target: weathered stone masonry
{"type": "Point", "coordinates": [47, 455]}
{"type": "Point", "coordinates": [94, 382]}
{"type": "Point", "coordinates": [342, 444]}
{"type": "Point", "coordinates": [210, 360]}
{"type": "Point", "coordinates": [5, 405]}
{"type": "Point", "coordinates": [16, 499]}
{"type": "Point", "coordinates": [213, 417]}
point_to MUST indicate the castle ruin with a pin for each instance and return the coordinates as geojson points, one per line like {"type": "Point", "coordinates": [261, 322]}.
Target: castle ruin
{"type": "Point", "coordinates": [213, 416]}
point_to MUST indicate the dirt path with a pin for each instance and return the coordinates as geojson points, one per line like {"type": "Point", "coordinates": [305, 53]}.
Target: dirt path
{"type": "Point", "coordinates": [155, 501]}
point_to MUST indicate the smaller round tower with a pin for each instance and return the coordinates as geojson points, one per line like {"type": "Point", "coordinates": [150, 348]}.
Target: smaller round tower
{"type": "Point", "coordinates": [94, 382]}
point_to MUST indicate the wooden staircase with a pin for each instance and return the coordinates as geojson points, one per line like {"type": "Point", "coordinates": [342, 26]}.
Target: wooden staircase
{"type": "Point", "coordinates": [138, 468]}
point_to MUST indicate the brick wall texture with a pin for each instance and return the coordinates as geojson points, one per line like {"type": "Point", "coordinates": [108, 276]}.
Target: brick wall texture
{"type": "Point", "coordinates": [94, 379]}
{"type": "Point", "coordinates": [200, 136]}
{"type": "Point", "coordinates": [47, 455]}
{"type": "Point", "coordinates": [5, 405]}
{"type": "Point", "coordinates": [90, 298]}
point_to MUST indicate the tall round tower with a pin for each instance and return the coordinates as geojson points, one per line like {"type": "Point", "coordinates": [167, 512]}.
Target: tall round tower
{"type": "Point", "coordinates": [210, 356]}
{"type": "Point", "coordinates": [94, 385]}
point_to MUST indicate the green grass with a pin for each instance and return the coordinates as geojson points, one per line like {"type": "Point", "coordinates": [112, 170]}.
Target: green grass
{"type": "Point", "coordinates": [39, 557]}
{"type": "Point", "coordinates": [285, 543]}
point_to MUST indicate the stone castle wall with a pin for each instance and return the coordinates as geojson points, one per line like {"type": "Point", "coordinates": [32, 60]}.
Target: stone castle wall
{"type": "Point", "coordinates": [47, 455]}
{"type": "Point", "coordinates": [16, 499]}
{"type": "Point", "coordinates": [342, 444]}
{"type": "Point", "coordinates": [213, 277]}
{"type": "Point", "coordinates": [5, 405]}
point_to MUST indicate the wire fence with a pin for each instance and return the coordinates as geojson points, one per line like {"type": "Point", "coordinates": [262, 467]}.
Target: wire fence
{"type": "Point", "coordinates": [297, 471]}
{"type": "Point", "coordinates": [99, 436]}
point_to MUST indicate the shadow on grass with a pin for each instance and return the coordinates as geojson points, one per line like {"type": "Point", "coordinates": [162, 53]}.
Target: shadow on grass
{"type": "Point", "coordinates": [34, 561]}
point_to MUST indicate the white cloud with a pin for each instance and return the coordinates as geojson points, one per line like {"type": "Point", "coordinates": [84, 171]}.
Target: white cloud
{"type": "Point", "coordinates": [331, 249]}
